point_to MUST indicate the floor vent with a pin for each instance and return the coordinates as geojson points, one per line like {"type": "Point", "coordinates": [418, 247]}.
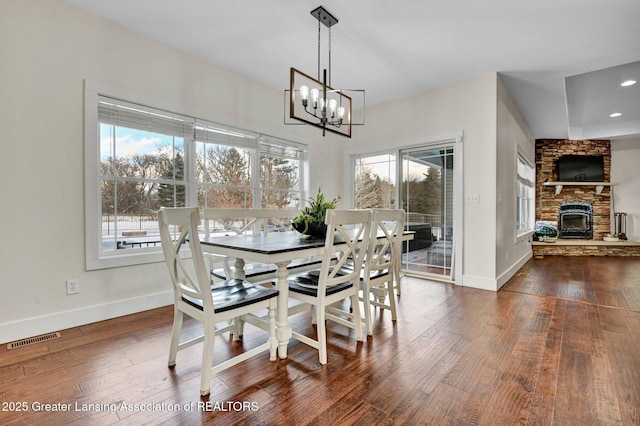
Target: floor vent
{"type": "Point", "coordinates": [32, 340]}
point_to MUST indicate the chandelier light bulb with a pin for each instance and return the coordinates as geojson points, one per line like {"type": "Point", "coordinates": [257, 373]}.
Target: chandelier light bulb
{"type": "Point", "coordinates": [332, 107]}
{"type": "Point", "coordinates": [304, 95]}
{"type": "Point", "coordinates": [315, 94]}
{"type": "Point", "coordinates": [323, 106]}
{"type": "Point", "coordinates": [341, 112]}
{"type": "Point", "coordinates": [304, 92]}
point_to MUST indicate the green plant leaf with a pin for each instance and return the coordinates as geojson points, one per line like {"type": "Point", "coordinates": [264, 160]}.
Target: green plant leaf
{"type": "Point", "coordinates": [317, 209]}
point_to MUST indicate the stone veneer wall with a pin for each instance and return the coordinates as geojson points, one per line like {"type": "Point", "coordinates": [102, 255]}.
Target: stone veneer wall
{"type": "Point", "coordinates": [547, 153]}
{"type": "Point", "coordinates": [586, 250]}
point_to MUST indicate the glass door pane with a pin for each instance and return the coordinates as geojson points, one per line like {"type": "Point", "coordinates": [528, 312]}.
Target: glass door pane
{"type": "Point", "coordinates": [426, 194]}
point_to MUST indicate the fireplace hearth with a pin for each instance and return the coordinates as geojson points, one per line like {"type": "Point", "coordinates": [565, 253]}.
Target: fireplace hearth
{"type": "Point", "coordinates": [575, 220]}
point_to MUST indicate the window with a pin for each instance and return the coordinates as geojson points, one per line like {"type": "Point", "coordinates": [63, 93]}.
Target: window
{"type": "Point", "coordinates": [224, 173]}
{"type": "Point", "coordinates": [525, 196]}
{"type": "Point", "coordinates": [374, 184]}
{"type": "Point", "coordinates": [281, 174]}
{"type": "Point", "coordinates": [238, 169]}
{"type": "Point", "coordinates": [142, 154]}
{"type": "Point", "coordinates": [139, 159]}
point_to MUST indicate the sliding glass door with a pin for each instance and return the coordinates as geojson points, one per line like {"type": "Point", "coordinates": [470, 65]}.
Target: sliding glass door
{"type": "Point", "coordinates": [426, 181]}
{"type": "Point", "coordinates": [427, 196]}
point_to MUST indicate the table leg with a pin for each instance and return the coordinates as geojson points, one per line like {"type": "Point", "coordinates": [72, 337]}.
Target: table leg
{"type": "Point", "coordinates": [238, 323]}
{"type": "Point", "coordinates": [283, 332]}
{"type": "Point", "coordinates": [239, 272]}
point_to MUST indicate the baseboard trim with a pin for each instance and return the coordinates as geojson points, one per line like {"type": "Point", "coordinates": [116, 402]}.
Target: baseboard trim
{"type": "Point", "coordinates": [509, 273]}
{"type": "Point", "coordinates": [481, 283]}
{"type": "Point", "coordinates": [23, 329]}
{"type": "Point", "coordinates": [491, 284]}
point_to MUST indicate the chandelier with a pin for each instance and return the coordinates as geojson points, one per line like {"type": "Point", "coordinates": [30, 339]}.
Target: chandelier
{"type": "Point", "coordinates": [315, 101]}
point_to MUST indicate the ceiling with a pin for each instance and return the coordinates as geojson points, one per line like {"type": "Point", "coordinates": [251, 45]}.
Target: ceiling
{"type": "Point", "coordinates": [396, 49]}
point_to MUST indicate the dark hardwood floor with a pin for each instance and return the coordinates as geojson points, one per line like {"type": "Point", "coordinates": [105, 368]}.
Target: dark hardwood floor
{"type": "Point", "coordinates": [559, 344]}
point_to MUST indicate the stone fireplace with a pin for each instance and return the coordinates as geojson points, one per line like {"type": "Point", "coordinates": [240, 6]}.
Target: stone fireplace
{"type": "Point", "coordinates": [548, 199]}
{"type": "Point", "coordinates": [583, 209]}
{"type": "Point", "coordinates": [575, 220]}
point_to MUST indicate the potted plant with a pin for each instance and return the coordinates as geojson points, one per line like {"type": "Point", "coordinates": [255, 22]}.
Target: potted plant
{"type": "Point", "coordinates": [311, 220]}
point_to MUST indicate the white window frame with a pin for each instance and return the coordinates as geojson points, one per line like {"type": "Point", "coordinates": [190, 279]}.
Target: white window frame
{"type": "Point", "coordinates": [525, 197]}
{"type": "Point", "coordinates": [95, 257]}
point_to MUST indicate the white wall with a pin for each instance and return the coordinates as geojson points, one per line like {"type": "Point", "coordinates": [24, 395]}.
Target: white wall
{"type": "Point", "coordinates": [625, 160]}
{"type": "Point", "coordinates": [469, 107]}
{"type": "Point", "coordinates": [513, 134]}
{"type": "Point", "coordinates": [48, 49]}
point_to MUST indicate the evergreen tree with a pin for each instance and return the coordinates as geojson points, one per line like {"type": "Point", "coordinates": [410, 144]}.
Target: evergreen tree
{"type": "Point", "coordinates": [424, 194]}
{"type": "Point", "coordinates": [170, 195]}
{"type": "Point", "coordinates": [279, 179]}
{"type": "Point", "coordinates": [431, 192]}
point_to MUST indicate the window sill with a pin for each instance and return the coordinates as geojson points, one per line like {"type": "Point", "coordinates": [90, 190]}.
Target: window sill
{"type": "Point", "coordinates": [524, 236]}
{"type": "Point", "coordinates": [117, 261]}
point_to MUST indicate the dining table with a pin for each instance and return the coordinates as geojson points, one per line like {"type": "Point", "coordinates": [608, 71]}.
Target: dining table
{"type": "Point", "coordinates": [277, 248]}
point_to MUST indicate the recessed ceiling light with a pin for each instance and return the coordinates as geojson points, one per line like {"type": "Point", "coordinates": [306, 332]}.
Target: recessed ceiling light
{"type": "Point", "coordinates": [628, 83]}
{"type": "Point", "coordinates": [615, 114]}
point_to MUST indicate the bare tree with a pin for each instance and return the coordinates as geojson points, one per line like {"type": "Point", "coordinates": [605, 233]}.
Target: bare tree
{"type": "Point", "coordinates": [225, 166]}
{"type": "Point", "coordinates": [372, 191]}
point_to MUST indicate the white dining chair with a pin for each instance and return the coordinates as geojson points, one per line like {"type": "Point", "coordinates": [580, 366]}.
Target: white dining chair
{"type": "Point", "coordinates": [381, 263]}
{"type": "Point", "coordinates": [196, 296]}
{"type": "Point", "coordinates": [346, 241]}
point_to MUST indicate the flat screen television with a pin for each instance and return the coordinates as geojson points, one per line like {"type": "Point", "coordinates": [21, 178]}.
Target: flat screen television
{"type": "Point", "coordinates": [581, 168]}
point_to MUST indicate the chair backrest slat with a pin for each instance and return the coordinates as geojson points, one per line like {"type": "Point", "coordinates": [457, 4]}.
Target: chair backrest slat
{"type": "Point", "coordinates": [186, 267]}
{"type": "Point", "coordinates": [385, 243]}
{"type": "Point", "coordinates": [353, 228]}
{"type": "Point", "coordinates": [241, 221]}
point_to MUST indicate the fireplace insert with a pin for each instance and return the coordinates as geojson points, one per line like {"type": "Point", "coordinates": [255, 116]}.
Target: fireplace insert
{"type": "Point", "coordinates": [575, 220]}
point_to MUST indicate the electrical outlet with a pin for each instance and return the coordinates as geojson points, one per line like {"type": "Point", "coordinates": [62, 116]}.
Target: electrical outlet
{"type": "Point", "coordinates": [73, 286]}
{"type": "Point", "coordinates": [473, 198]}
